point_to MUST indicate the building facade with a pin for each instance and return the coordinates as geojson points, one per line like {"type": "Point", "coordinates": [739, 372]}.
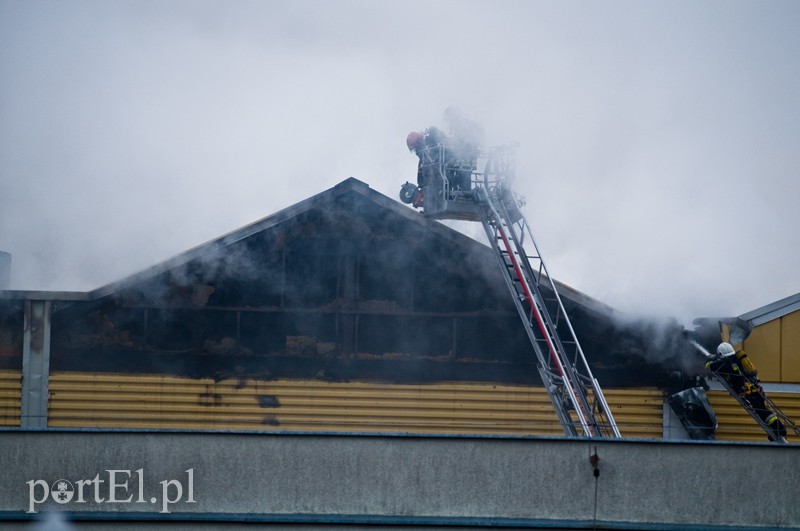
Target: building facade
{"type": "Point", "coordinates": [345, 312]}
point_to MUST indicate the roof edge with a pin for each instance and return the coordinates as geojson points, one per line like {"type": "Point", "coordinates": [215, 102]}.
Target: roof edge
{"type": "Point", "coordinates": [35, 295]}
{"type": "Point", "coordinates": [773, 311]}
{"type": "Point", "coordinates": [349, 184]}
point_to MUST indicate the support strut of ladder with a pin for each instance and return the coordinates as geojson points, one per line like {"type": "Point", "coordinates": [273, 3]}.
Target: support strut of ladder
{"type": "Point", "coordinates": [576, 395]}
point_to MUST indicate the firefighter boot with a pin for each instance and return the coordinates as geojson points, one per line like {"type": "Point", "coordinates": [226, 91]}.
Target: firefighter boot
{"type": "Point", "coordinates": [776, 425]}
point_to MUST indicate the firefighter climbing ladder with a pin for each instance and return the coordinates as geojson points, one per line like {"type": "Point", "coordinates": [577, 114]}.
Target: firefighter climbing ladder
{"type": "Point", "coordinates": [576, 395]}
{"type": "Point", "coordinates": [771, 406]}
{"type": "Point", "coordinates": [787, 422]}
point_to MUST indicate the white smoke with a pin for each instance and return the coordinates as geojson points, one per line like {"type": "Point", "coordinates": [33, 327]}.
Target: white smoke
{"type": "Point", "coordinates": [132, 131]}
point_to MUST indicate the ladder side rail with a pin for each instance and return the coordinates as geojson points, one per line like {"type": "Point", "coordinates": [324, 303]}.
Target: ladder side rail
{"type": "Point", "coordinates": [492, 234]}
{"type": "Point", "coordinates": [523, 226]}
{"type": "Point", "coordinates": [548, 378]}
{"type": "Point", "coordinates": [492, 231]}
{"type": "Point", "coordinates": [536, 273]}
{"type": "Point", "coordinates": [531, 278]}
{"type": "Point", "coordinates": [496, 177]}
{"type": "Point", "coordinates": [545, 322]}
{"type": "Point", "coordinates": [535, 310]}
{"type": "Point", "coordinates": [579, 350]}
{"type": "Point", "coordinates": [604, 410]}
{"type": "Point", "coordinates": [579, 405]}
{"type": "Point", "coordinates": [559, 404]}
{"type": "Point", "coordinates": [535, 282]}
{"type": "Point", "coordinates": [535, 277]}
{"type": "Point", "coordinates": [600, 410]}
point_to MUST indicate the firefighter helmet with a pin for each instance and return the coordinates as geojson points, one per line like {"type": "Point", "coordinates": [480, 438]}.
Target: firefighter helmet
{"type": "Point", "coordinates": [414, 140]}
{"type": "Point", "coordinates": [725, 349]}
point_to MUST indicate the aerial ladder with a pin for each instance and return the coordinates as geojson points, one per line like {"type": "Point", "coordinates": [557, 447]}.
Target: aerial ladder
{"type": "Point", "coordinates": [479, 189]}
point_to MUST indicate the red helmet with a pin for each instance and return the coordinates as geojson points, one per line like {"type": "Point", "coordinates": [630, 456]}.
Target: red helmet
{"type": "Point", "coordinates": [414, 140]}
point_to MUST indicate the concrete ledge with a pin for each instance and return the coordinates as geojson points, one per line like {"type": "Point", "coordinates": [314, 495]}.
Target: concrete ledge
{"type": "Point", "coordinates": [396, 480]}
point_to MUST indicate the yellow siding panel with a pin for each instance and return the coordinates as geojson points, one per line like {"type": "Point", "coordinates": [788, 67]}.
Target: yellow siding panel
{"type": "Point", "coordinates": [638, 412]}
{"type": "Point", "coordinates": [763, 345]}
{"type": "Point", "coordinates": [104, 400]}
{"type": "Point", "coordinates": [790, 348]}
{"type": "Point", "coordinates": [10, 398]}
{"type": "Point", "coordinates": [148, 401]}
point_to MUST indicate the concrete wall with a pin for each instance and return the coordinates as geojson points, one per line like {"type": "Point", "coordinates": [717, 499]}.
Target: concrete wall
{"type": "Point", "coordinates": [396, 480]}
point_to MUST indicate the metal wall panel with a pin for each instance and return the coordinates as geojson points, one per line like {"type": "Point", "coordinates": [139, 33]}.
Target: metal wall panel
{"type": "Point", "coordinates": [639, 413]}
{"type": "Point", "coordinates": [10, 398]}
{"type": "Point", "coordinates": [735, 424]}
{"type": "Point", "coordinates": [140, 401]}
{"type": "Point", "coordinates": [790, 348]}
{"type": "Point", "coordinates": [774, 346]}
{"type": "Point", "coordinates": [763, 345]}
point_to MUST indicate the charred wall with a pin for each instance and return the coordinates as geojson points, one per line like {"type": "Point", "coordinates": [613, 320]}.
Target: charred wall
{"type": "Point", "coordinates": [349, 291]}
{"type": "Point", "coordinates": [12, 319]}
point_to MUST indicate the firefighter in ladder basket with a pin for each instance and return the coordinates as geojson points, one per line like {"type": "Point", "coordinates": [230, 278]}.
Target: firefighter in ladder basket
{"type": "Point", "coordinates": [741, 375]}
{"type": "Point", "coordinates": [441, 158]}
{"type": "Point", "coordinates": [427, 145]}
{"type": "Point", "coordinates": [467, 139]}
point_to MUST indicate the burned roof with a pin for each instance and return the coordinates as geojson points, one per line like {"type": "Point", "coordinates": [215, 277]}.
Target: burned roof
{"type": "Point", "coordinates": [361, 198]}
{"type": "Point", "coordinates": [347, 284]}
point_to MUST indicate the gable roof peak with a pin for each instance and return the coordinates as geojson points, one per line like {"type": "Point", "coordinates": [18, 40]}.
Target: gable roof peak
{"type": "Point", "coordinates": [351, 183]}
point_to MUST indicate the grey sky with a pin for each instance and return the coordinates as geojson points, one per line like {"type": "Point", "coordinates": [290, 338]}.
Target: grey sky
{"type": "Point", "coordinates": [658, 140]}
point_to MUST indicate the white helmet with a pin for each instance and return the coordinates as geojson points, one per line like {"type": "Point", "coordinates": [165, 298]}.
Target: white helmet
{"type": "Point", "coordinates": [725, 350]}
